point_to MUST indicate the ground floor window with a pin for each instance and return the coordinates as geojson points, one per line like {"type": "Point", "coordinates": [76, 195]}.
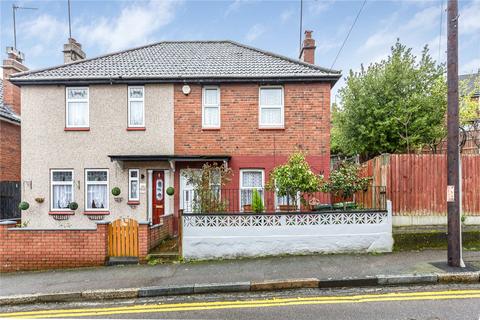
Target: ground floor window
{"type": "Point", "coordinates": [61, 184]}
{"type": "Point", "coordinates": [96, 185]}
{"type": "Point", "coordinates": [133, 185]}
{"type": "Point", "coordinates": [250, 179]}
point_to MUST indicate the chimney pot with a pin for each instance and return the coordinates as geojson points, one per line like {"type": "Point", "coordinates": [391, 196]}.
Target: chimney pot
{"type": "Point", "coordinates": [307, 54]}
{"type": "Point", "coordinates": [72, 51]}
{"type": "Point", "coordinates": [12, 64]}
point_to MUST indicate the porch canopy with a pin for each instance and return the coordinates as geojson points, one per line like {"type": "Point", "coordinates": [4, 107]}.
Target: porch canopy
{"type": "Point", "coordinates": [170, 158]}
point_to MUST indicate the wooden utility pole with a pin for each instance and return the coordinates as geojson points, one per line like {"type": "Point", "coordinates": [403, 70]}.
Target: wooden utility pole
{"type": "Point", "coordinates": [453, 154]}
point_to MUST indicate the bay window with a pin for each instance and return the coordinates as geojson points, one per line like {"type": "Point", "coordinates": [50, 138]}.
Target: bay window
{"type": "Point", "coordinates": [271, 107]}
{"type": "Point", "coordinates": [61, 189]}
{"type": "Point", "coordinates": [211, 107]}
{"type": "Point", "coordinates": [250, 179]}
{"type": "Point", "coordinates": [133, 185]}
{"type": "Point", "coordinates": [136, 107]}
{"type": "Point", "coordinates": [77, 112]}
{"type": "Point", "coordinates": [96, 190]}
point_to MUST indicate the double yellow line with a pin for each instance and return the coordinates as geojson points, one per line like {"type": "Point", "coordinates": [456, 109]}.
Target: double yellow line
{"type": "Point", "coordinates": [272, 302]}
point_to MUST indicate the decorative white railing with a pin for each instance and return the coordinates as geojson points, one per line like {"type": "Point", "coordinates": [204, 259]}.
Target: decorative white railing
{"type": "Point", "coordinates": [278, 220]}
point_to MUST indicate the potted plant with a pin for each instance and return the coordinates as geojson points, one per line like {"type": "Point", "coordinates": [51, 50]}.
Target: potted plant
{"type": "Point", "coordinates": [295, 179]}
{"type": "Point", "coordinates": [344, 182]}
{"type": "Point", "coordinates": [170, 191]}
{"type": "Point", "coordinates": [257, 203]}
{"type": "Point", "coordinates": [73, 206]}
{"type": "Point", "coordinates": [24, 205]}
{"type": "Point", "coordinates": [116, 192]}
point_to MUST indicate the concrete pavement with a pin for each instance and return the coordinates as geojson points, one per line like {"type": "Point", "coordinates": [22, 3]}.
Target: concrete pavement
{"type": "Point", "coordinates": [261, 269]}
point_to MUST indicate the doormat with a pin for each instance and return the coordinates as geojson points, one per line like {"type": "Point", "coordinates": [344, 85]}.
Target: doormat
{"type": "Point", "coordinates": [470, 266]}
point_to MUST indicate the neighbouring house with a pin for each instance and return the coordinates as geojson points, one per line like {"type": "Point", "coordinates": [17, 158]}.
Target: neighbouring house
{"type": "Point", "coordinates": [10, 188]}
{"type": "Point", "coordinates": [136, 119]}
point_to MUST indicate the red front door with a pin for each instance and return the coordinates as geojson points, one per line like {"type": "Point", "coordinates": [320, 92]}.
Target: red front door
{"type": "Point", "coordinates": [158, 197]}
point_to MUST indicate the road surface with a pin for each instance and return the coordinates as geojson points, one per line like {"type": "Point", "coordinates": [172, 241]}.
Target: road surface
{"type": "Point", "coordinates": [419, 302]}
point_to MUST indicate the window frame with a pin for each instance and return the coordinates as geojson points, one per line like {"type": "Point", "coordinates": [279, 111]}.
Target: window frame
{"type": "Point", "coordinates": [130, 179]}
{"type": "Point", "coordinates": [63, 183]}
{"type": "Point", "coordinates": [107, 183]}
{"type": "Point", "coordinates": [67, 100]}
{"type": "Point", "coordinates": [204, 105]}
{"type": "Point", "coordinates": [129, 99]}
{"type": "Point", "coordinates": [241, 188]}
{"type": "Point", "coordinates": [260, 107]}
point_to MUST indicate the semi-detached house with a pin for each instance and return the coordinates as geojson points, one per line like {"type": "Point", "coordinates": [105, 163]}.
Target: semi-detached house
{"type": "Point", "coordinates": [135, 119]}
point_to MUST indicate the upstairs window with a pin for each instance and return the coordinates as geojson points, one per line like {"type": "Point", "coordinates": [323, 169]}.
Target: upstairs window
{"type": "Point", "coordinates": [133, 185]}
{"type": "Point", "coordinates": [96, 186]}
{"type": "Point", "coordinates": [136, 107]}
{"type": "Point", "coordinates": [77, 107]}
{"type": "Point", "coordinates": [211, 107]}
{"type": "Point", "coordinates": [271, 107]}
{"type": "Point", "coordinates": [61, 192]}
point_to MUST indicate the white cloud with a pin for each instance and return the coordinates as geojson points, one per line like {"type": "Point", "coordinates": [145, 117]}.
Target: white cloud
{"type": "Point", "coordinates": [44, 28]}
{"type": "Point", "coordinates": [472, 66]}
{"type": "Point", "coordinates": [425, 19]}
{"type": "Point", "coordinates": [255, 32]}
{"type": "Point", "coordinates": [135, 25]}
{"type": "Point", "coordinates": [234, 6]}
{"type": "Point", "coordinates": [317, 6]}
{"type": "Point", "coordinates": [469, 20]}
{"type": "Point", "coordinates": [286, 15]}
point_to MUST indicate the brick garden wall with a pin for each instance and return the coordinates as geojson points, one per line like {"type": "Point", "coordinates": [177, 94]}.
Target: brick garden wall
{"type": "Point", "coordinates": [159, 232]}
{"type": "Point", "coordinates": [24, 249]}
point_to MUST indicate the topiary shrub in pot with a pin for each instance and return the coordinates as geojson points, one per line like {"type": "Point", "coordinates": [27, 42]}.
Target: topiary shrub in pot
{"type": "Point", "coordinates": [73, 206]}
{"type": "Point", "coordinates": [257, 203]}
{"type": "Point", "coordinates": [116, 191]}
{"type": "Point", "coordinates": [24, 205]}
{"type": "Point", "coordinates": [170, 191]}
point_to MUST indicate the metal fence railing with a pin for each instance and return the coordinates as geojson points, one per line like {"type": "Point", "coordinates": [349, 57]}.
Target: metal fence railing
{"type": "Point", "coordinates": [219, 200]}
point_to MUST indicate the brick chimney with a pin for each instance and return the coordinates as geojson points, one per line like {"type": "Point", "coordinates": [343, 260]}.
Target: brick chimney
{"type": "Point", "coordinates": [72, 51]}
{"type": "Point", "coordinates": [11, 65]}
{"type": "Point", "coordinates": [308, 49]}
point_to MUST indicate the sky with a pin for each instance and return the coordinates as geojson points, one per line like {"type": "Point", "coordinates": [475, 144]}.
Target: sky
{"type": "Point", "coordinates": [107, 26]}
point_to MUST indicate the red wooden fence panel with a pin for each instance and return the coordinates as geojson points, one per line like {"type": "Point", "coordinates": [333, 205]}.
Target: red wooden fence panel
{"type": "Point", "coordinates": [417, 183]}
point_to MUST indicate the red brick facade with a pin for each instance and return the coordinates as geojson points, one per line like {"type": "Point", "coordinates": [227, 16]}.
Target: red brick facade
{"type": "Point", "coordinates": [10, 159]}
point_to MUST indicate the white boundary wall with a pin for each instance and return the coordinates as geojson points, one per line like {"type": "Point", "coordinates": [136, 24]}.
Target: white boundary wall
{"type": "Point", "coordinates": [229, 236]}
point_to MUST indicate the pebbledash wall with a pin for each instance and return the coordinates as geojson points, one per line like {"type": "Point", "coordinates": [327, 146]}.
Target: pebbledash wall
{"type": "Point", "coordinates": [24, 249]}
{"type": "Point", "coordinates": [46, 145]}
{"type": "Point", "coordinates": [250, 235]}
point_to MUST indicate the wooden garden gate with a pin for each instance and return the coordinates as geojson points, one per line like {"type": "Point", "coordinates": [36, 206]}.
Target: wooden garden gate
{"type": "Point", "coordinates": [123, 238]}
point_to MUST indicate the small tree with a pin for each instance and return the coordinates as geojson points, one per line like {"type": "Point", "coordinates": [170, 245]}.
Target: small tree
{"type": "Point", "coordinates": [207, 185]}
{"type": "Point", "coordinates": [257, 203]}
{"type": "Point", "coordinates": [344, 181]}
{"type": "Point", "coordinates": [294, 179]}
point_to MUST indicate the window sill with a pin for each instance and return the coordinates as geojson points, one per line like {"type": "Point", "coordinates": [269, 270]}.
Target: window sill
{"type": "Point", "coordinates": [76, 129]}
{"type": "Point", "coordinates": [63, 213]}
{"type": "Point", "coordinates": [133, 203]}
{"type": "Point", "coordinates": [271, 128]}
{"type": "Point", "coordinates": [96, 212]}
{"type": "Point", "coordinates": [210, 129]}
{"type": "Point", "coordinates": [136, 129]}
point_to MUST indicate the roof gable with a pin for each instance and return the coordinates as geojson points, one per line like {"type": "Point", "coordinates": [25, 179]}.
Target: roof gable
{"type": "Point", "coordinates": [183, 60]}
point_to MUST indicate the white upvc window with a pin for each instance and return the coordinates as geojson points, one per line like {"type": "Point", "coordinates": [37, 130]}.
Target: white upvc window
{"type": "Point", "coordinates": [133, 185]}
{"type": "Point", "coordinates": [136, 107]}
{"type": "Point", "coordinates": [250, 179]}
{"type": "Point", "coordinates": [211, 107]}
{"type": "Point", "coordinates": [96, 190]}
{"type": "Point", "coordinates": [271, 107]}
{"type": "Point", "coordinates": [77, 107]}
{"type": "Point", "coordinates": [61, 189]}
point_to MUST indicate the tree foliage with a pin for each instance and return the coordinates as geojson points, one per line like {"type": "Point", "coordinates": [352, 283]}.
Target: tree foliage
{"type": "Point", "coordinates": [469, 108]}
{"type": "Point", "coordinates": [294, 178]}
{"type": "Point", "coordinates": [344, 181]}
{"type": "Point", "coordinates": [396, 105]}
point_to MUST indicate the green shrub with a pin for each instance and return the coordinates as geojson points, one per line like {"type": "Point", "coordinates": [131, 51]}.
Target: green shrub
{"type": "Point", "coordinates": [24, 205]}
{"type": "Point", "coordinates": [257, 203]}
{"type": "Point", "coordinates": [73, 205]}
{"type": "Point", "coordinates": [116, 191]}
{"type": "Point", "coordinates": [170, 191]}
